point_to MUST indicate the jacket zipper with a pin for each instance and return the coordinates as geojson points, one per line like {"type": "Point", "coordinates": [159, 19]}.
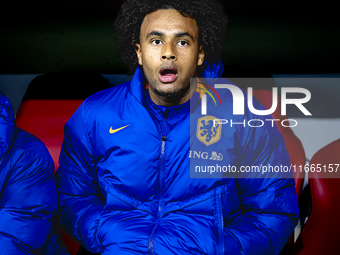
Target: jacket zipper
{"type": "Point", "coordinates": [220, 225]}
{"type": "Point", "coordinates": [160, 198]}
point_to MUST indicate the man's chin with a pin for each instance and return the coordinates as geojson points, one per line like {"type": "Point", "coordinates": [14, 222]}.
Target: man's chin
{"type": "Point", "coordinates": [172, 96]}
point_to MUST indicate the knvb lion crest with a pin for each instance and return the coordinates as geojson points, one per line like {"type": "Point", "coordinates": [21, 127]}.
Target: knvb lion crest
{"type": "Point", "coordinates": [207, 133]}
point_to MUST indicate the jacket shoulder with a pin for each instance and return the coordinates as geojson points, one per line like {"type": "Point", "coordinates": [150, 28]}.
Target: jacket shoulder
{"type": "Point", "coordinates": [114, 94]}
{"type": "Point", "coordinates": [103, 103]}
{"type": "Point", "coordinates": [28, 150]}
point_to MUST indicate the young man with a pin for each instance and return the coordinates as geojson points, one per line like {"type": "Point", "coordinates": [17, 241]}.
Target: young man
{"type": "Point", "coordinates": [124, 178]}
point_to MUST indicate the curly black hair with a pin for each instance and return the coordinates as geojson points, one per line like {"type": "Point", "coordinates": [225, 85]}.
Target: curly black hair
{"type": "Point", "coordinates": [212, 24]}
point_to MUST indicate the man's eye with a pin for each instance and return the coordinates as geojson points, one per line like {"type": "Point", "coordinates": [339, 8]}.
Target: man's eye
{"type": "Point", "coordinates": [156, 42]}
{"type": "Point", "coordinates": [182, 43]}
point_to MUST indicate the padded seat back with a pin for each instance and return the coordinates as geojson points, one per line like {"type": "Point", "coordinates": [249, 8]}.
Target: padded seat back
{"type": "Point", "coordinates": [46, 119]}
{"type": "Point", "coordinates": [49, 102]}
{"type": "Point", "coordinates": [320, 233]}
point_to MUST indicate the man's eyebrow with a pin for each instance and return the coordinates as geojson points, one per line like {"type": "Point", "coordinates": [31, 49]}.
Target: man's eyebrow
{"type": "Point", "coordinates": [177, 35]}
{"type": "Point", "coordinates": [184, 34]}
{"type": "Point", "coordinates": [157, 33]}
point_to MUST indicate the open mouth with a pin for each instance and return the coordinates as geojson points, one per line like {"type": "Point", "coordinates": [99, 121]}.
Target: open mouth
{"type": "Point", "coordinates": [167, 74]}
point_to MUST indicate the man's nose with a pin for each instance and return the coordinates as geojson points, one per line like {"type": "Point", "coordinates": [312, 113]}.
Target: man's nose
{"type": "Point", "coordinates": [168, 52]}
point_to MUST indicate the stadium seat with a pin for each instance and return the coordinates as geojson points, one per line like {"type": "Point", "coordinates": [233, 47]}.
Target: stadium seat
{"type": "Point", "coordinates": [49, 102]}
{"type": "Point", "coordinates": [320, 232]}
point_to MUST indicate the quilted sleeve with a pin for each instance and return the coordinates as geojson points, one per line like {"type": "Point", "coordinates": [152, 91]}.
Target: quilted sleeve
{"type": "Point", "coordinates": [80, 199]}
{"type": "Point", "coordinates": [269, 209]}
{"type": "Point", "coordinates": [28, 199]}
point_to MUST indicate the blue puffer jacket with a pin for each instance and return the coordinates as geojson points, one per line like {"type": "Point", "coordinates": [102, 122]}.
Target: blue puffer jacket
{"type": "Point", "coordinates": [125, 188]}
{"type": "Point", "coordinates": [28, 197]}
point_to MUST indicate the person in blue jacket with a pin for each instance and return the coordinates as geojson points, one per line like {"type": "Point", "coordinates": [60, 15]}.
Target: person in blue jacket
{"type": "Point", "coordinates": [28, 198]}
{"type": "Point", "coordinates": [126, 180]}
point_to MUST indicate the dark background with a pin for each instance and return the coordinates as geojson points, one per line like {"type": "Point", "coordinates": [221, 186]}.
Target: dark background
{"type": "Point", "coordinates": [77, 35]}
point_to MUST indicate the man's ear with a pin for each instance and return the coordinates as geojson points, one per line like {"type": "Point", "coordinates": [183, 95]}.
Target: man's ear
{"type": "Point", "coordinates": [200, 59]}
{"type": "Point", "coordinates": [139, 53]}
